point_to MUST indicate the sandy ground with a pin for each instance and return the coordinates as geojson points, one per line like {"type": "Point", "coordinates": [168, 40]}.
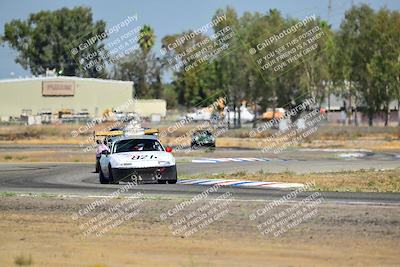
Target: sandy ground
{"type": "Point", "coordinates": [338, 235]}
{"type": "Point", "coordinates": [380, 144]}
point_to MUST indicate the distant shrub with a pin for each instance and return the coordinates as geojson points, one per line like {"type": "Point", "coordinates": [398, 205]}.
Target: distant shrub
{"type": "Point", "coordinates": [23, 260]}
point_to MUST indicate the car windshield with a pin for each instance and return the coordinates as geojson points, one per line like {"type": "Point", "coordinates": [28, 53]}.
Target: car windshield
{"type": "Point", "coordinates": [203, 133]}
{"type": "Point", "coordinates": [137, 145]}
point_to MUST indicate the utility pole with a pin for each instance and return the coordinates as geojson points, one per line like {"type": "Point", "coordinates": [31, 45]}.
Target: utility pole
{"type": "Point", "coordinates": [329, 8]}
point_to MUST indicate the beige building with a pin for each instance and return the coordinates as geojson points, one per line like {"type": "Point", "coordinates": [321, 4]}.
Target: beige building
{"type": "Point", "coordinates": [32, 96]}
{"type": "Point", "coordinates": [149, 107]}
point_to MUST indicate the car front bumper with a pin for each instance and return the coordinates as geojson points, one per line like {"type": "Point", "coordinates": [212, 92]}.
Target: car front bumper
{"type": "Point", "coordinates": [204, 143]}
{"type": "Point", "coordinates": [152, 174]}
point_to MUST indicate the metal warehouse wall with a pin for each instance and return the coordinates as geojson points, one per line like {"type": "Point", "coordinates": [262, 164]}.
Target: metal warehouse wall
{"type": "Point", "coordinates": [95, 95]}
{"type": "Point", "coordinates": [147, 107]}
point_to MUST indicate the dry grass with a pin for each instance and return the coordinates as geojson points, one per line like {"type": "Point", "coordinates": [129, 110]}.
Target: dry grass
{"type": "Point", "coordinates": [325, 132]}
{"type": "Point", "coordinates": [16, 132]}
{"type": "Point", "coordinates": [49, 134]}
{"type": "Point", "coordinates": [374, 138]}
{"type": "Point", "coordinates": [346, 181]}
{"type": "Point", "coordinates": [23, 260]}
{"type": "Point", "coordinates": [255, 143]}
{"type": "Point", "coordinates": [376, 145]}
{"type": "Point", "coordinates": [46, 156]}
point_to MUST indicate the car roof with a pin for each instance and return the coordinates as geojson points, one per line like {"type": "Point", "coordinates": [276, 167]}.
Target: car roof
{"type": "Point", "coordinates": [202, 131]}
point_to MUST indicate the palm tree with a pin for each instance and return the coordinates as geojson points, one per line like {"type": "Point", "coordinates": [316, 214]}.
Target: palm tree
{"type": "Point", "coordinates": [146, 40]}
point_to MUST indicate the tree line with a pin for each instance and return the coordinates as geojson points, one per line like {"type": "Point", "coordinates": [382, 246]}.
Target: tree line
{"type": "Point", "coordinates": [359, 61]}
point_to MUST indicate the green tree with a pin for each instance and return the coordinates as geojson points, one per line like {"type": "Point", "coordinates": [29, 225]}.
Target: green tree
{"type": "Point", "coordinates": [142, 67]}
{"type": "Point", "coordinates": [383, 66]}
{"type": "Point", "coordinates": [189, 83]}
{"type": "Point", "coordinates": [171, 96]}
{"type": "Point", "coordinates": [45, 39]}
{"type": "Point", "coordinates": [359, 62]}
{"type": "Point", "coordinates": [146, 42]}
{"type": "Point", "coordinates": [233, 67]}
{"type": "Point", "coordinates": [358, 44]}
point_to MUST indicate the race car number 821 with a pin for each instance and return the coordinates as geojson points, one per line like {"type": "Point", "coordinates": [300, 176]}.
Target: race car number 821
{"type": "Point", "coordinates": [144, 157]}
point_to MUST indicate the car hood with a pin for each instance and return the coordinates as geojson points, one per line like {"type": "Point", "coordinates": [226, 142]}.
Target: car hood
{"type": "Point", "coordinates": [143, 159]}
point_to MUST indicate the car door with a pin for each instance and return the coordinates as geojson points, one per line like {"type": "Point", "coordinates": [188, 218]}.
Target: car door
{"type": "Point", "coordinates": [104, 161]}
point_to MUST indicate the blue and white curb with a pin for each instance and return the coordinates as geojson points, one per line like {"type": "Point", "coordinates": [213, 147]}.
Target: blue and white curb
{"type": "Point", "coordinates": [220, 160]}
{"type": "Point", "coordinates": [239, 183]}
{"type": "Point", "coordinates": [352, 155]}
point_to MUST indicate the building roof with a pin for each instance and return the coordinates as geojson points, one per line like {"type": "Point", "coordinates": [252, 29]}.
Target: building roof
{"type": "Point", "coordinates": [62, 78]}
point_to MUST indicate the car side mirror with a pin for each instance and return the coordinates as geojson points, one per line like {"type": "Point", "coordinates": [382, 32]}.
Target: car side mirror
{"type": "Point", "coordinates": [168, 149]}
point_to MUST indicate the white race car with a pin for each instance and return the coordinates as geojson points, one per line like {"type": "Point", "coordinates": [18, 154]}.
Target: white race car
{"type": "Point", "coordinates": [138, 158]}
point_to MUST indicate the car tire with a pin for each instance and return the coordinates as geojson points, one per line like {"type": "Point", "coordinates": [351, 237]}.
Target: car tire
{"type": "Point", "coordinates": [110, 176]}
{"type": "Point", "coordinates": [97, 166]}
{"type": "Point", "coordinates": [175, 180]}
{"type": "Point", "coordinates": [102, 178]}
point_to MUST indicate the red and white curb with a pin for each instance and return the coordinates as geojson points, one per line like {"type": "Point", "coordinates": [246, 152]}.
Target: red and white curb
{"type": "Point", "coordinates": [240, 183]}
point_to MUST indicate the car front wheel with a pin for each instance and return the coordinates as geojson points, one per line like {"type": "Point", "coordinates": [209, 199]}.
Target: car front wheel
{"type": "Point", "coordinates": [110, 176]}
{"type": "Point", "coordinates": [102, 178]}
{"type": "Point", "coordinates": [97, 165]}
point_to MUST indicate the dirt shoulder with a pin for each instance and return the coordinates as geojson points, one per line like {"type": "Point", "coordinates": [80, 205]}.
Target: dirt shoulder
{"type": "Point", "coordinates": [338, 235]}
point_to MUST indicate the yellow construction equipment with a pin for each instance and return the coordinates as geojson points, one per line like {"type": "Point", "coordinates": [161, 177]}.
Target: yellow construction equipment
{"type": "Point", "coordinates": [152, 131]}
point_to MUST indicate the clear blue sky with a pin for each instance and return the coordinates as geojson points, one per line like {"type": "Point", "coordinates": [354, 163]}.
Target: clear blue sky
{"type": "Point", "coordinates": [170, 16]}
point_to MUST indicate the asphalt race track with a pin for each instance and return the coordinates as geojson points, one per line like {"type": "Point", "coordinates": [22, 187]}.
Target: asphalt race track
{"type": "Point", "coordinates": [78, 179]}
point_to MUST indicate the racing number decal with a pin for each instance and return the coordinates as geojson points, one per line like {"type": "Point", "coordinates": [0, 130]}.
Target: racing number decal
{"type": "Point", "coordinates": [139, 157]}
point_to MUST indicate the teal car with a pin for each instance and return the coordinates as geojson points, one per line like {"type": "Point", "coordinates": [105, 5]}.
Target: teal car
{"type": "Point", "coordinates": [202, 138]}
